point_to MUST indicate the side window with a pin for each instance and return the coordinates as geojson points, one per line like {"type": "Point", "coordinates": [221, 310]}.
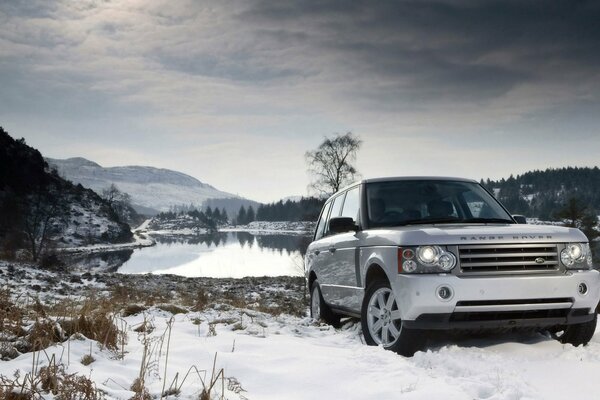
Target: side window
{"type": "Point", "coordinates": [322, 221]}
{"type": "Point", "coordinates": [352, 204]}
{"type": "Point", "coordinates": [336, 209]}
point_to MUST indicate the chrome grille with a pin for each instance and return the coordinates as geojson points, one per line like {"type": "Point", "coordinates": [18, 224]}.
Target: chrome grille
{"type": "Point", "coordinates": [508, 258]}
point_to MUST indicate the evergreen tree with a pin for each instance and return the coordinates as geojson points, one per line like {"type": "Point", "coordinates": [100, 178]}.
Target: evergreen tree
{"type": "Point", "coordinates": [241, 217]}
{"type": "Point", "coordinates": [577, 215]}
{"type": "Point", "coordinates": [224, 217]}
{"type": "Point", "coordinates": [250, 216]}
{"type": "Point", "coordinates": [217, 215]}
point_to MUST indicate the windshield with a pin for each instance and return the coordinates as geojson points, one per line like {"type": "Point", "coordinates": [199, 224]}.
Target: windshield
{"type": "Point", "coordinates": [411, 202]}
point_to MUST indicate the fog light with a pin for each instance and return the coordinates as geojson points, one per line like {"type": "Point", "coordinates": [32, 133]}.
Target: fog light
{"type": "Point", "coordinates": [444, 293]}
{"type": "Point", "coordinates": [409, 266]}
{"type": "Point", "coordinates": [582, 289]}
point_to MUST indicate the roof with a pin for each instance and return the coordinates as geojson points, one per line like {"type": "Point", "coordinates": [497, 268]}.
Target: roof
{"type": "Point", "coordinates": [404, 178]}
{"type": "Point", "coordinates": [417, 178]}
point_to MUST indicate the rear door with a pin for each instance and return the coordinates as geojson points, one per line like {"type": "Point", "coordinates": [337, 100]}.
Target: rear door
{"type": "Point", "coordinates": [345, 290]}
{"type": "Point", "coordinates": [328, 274]}
{"type": "Point", "coordinates": [318, 253]}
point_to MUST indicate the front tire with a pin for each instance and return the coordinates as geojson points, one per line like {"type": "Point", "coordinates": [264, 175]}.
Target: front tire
{"type": "Point", "coordinates": [577, 334]}
{"type": "Point", "coordinates": [319, 310]}
{"type": "Point", "coordinates": [382, 325]}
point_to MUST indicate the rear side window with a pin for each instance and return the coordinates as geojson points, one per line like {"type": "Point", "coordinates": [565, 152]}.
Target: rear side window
{"type": "Point", "coordinates": [322, 221]}
{"type": "Point", "coordinates": [336, 209]}
{"type": "Point", "coordinates": [351, 204]}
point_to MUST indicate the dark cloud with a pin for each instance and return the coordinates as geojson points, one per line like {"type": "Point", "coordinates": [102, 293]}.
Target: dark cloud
{"type": "Point", "coordinates": [29, 9]}
{"type": "Point", "coordinates": [234, 67]}
{"type": "Point", "coordinates": [447, 49]}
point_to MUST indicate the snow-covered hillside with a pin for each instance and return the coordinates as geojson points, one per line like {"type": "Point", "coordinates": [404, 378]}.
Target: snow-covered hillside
{"type": "Point", "coordinates": [151, 189]}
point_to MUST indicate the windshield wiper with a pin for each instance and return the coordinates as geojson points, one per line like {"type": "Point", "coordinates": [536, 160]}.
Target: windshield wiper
{"type": "Point", "coordinates": [452, 220]}
{"type": "Point", "coordinates": [491, 220]}
{"type": "Point", "coordinates": [429, 221]}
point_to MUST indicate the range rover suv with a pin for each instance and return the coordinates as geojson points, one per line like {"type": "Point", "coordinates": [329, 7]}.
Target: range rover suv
{"type": "Point", "coordinates": [412, 254]}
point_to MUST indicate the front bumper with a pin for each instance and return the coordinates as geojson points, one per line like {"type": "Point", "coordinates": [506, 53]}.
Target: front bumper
{"type": "Point", "coordinates": [499, 301]}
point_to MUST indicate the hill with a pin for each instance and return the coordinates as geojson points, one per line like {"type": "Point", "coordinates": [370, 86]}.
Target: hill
{"type": "Point", "coordinates": [152, 190]}
{"type": "Point", "coordinates": [40, 210]}
{"type": "Point", "coordinates": [542, 194]}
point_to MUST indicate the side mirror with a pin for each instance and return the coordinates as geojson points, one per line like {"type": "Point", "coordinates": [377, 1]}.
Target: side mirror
{"type": "Point", "coordinates": [342, 225]}
{"type": "Point", "coordinates": [520, 219]}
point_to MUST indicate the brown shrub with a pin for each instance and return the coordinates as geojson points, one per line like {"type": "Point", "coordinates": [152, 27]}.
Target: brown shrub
{"type": "Point", "coordinates": [87, 359]}
{"type": "Point", "coordinates": [98, 326]}
{"type": "Point", "coordinates": [172, 308]}
{"type": "Point", "coordinates": [133, 309]}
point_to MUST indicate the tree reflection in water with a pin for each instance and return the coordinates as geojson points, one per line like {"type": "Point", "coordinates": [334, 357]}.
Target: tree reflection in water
{"type": "Point", "coordinates": [289, 243]}
{"type": "Point", "coordinates": [174, 250]}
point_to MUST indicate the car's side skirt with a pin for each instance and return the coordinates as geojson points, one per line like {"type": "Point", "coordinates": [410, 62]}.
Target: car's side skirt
{"type": "Point", "coordinates": [343, 297]}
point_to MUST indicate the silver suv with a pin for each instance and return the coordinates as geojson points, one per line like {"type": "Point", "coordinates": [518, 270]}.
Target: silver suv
{"type": "Point", "coordinates": [408, 255]}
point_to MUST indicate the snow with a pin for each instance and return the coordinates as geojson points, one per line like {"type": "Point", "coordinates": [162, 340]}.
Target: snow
{"type": "Point", "coordinates": [299, 227]}
{"type": "Point", "coordinates": [139, 240]}
{"type": "Point", "coordinates": [296, 358]}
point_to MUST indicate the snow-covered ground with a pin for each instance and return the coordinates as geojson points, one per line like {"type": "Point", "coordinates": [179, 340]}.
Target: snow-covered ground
{"type": "Point", "coordinates": [139, 240]}
{"type": "Point", "coordinates": [267, 357]}
{"type": "Point", "coordinates": [300, 227]}
{"type": "Point", "coordinates": [280, 356]}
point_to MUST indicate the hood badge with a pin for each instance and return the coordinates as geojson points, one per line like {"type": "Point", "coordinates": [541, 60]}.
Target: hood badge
{"type": "Point", "coordinates": [512, 237]}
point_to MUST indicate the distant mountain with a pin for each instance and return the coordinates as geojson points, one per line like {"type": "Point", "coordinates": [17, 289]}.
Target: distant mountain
{"type": "Point", "coordinates": [151, 189]}
{"type": "Point", "coordinates": [542, 193]}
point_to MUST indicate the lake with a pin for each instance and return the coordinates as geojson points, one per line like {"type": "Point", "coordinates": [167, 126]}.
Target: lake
{"type": "Point", "coordinates": [221, 255]}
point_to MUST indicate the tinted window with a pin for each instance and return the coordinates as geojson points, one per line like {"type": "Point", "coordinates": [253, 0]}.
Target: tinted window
{"type": "Point", "coordinates": [322, 222]}
{"type": "Point", "coordinates": [396, 203]}
{"type": "Point", "coordinates": [336, 209]}
{"type": "Point", "coordinates": [351, 204]}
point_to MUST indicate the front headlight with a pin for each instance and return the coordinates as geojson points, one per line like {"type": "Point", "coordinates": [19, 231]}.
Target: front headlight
{"type": "Point", "coordinates": [576, 256]}
{"type": "Point", "coordinates": [425, 259]}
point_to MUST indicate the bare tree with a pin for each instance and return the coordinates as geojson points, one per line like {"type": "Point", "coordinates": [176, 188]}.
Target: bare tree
{"type": "Point", "coordinates": [42, 211]}
{"type": "Point", "coordinates": [119, 201]}
{"type": "Point", "coordinates": [331, 164]}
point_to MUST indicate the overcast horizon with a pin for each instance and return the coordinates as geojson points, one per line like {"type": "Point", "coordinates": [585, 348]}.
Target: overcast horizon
{"type": "Point", "coordinates": [234, 93]}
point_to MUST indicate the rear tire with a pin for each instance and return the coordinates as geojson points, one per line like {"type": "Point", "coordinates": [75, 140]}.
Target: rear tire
{"type": "Point", "coordinates": [381, 323]}
{"type": "Point", "coordinates": [319, 310]}
{"type": "Point", "coordinates": [577, 334]}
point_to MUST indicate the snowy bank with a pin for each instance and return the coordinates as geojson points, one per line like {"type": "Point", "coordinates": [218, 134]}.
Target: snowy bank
{"type": "Point", "coordinates": [275, 355]}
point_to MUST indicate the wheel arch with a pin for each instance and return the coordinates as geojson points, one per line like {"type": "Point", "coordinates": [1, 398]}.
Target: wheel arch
{"type": "Point", "coordinates": [374, 272]}
{"type": "Point", "coordinates": [312, 277]}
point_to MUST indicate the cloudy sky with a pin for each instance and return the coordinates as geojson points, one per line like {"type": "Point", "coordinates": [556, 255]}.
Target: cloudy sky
{"type": "Point", "coordinates": [235, 92]}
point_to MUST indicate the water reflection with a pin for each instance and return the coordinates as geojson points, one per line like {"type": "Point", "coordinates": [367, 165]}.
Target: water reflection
{"type": "Point", "coordinates": [105, 261]}
{"type": "Point", "coordinates": [231, 254]}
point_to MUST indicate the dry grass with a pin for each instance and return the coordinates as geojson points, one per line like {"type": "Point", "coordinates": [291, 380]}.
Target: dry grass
{"type": "Point", "coordinates": [51, 379]}
{"type": "Point", "coordinates": [29, 325]}
{"type": "Point", "coordinates": [139, 390]}
{"type": "Point", "coordinates": [133, 309]}
{"type": "Point", "coordinates": [123, 296]}
{"type": "Point", "coordinates": [87, 359]}
{"type": "Point", "coordinates": [172, 308]}
{"type": "Point", "coordinates": [97, 326]}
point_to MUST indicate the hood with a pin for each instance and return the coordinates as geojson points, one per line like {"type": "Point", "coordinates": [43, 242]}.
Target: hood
{"type": "Point", "coordinates": [456, 234]}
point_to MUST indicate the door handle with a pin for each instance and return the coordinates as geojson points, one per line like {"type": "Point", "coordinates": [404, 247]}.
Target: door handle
{"type": "Point", "coordinates": [317, 252]}
{"type": "Point", "coordinates": [332, 249]}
